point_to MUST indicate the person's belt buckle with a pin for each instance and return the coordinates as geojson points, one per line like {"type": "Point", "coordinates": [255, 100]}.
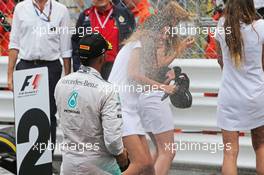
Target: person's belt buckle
{"type": "Point", "coordinates": [36, 62]}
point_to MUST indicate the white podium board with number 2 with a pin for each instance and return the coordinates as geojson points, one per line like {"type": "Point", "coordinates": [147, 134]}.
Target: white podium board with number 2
{"type": "Point", "coordinates": [32, 120]}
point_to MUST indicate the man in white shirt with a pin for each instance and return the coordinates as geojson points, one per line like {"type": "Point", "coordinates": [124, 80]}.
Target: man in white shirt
{"type": "Point", "coordinates": [38, 41]}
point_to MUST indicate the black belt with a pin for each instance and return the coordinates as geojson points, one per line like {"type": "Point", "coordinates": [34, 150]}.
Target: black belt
{"type": "Point", "coordinates": [39, 61]}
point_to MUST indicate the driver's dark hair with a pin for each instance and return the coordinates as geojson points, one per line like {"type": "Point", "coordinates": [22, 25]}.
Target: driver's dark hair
{"type": "Point", "coordinates": [89, 62]}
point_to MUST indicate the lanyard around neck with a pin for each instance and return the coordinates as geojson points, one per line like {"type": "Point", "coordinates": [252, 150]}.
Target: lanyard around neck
{"type": "Point", "coordinates": [106, 20]}
{"type": "Point", "coordinates": [36, 6]}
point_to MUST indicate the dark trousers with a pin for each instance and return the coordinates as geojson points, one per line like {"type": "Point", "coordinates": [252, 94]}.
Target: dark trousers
{"type": "Point", "coordinates": [54, 71]}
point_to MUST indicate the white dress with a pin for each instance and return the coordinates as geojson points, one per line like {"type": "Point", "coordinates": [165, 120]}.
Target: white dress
{"type": "Point", "coordinates": [156, 115]}
{"type": "Point", "coordinates": [241, 95]}
{"type": "Point", "coordinates": [127, 91]}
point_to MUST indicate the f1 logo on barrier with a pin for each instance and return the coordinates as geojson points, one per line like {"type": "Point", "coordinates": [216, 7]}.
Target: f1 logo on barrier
{"type": "Point", "coordinates": [34, 83]}
{"type": "Point", "coordinates": [32, 120]}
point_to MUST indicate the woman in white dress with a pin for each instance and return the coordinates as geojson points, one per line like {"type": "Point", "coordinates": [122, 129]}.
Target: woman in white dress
{"type": "Point", "coordinates": [151, 69]}
{"type": "Point", "coordinates": [156, 115]}
{"type": "Point", "coordinates": [241, 95]}
{"type": "Point", "coordinates": [135, 66]}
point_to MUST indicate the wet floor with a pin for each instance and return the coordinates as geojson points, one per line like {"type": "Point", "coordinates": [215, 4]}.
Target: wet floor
{"type": "Point", "coordinates": [182, 170]}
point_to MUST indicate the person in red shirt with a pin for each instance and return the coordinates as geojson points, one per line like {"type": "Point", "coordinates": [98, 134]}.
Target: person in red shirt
{"type": "Point", "coordinates": [211, 47]}
{"type": "Point", "coordinates": [101, 21]}
{"type": "Point", "coordinates": [141, 9]}
{"type": "Point", "coordinates": [113, 22]}
{"type": "Point", "coordinates": [6, 8]}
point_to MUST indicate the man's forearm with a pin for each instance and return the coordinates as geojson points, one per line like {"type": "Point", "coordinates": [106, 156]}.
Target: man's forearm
{"type": "Point", "coordinates": [67, 65]}
{"type": "Point", "coordinates": [13, 53]}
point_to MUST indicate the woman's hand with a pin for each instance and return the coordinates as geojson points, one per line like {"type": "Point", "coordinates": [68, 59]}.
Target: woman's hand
{"type": "Point", "coordinates": [187, 42]}
{"type": "Point", "coordinates": [170, 75]}
{"type": "Point", "coordinates": [169, 89]}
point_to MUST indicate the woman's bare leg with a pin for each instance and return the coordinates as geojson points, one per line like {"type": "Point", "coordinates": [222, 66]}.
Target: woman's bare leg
{"type": "Point", "coordinates": [258, 145]}
{"type": "Point", "coordinates": [231, 142]}
{"type": "Point", "coordinates": [155, 153]}
{"type": "Point", "coordinates": [147, 151]}
{"type": "Point", "coordinates": [165, 156]}
{"type": "Point", "coordinates": [140, 158]}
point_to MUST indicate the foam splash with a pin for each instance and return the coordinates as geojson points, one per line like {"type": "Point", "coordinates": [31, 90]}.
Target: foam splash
{"type": "Point", "coordinates": [154, 42]}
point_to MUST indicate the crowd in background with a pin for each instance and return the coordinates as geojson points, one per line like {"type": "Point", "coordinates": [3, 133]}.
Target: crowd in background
{"type": "Point", "coordinates": [140, 8]}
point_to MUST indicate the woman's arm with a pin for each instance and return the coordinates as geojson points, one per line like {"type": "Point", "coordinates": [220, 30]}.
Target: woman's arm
{"type": "Point", "coordinates": [134, 70]}
{"type": "Point", "coordinates": [135, 74]}
{"type": "Point", "coordinates": [263, 57]}
{"type": "Point", "coordinates": [179, 49]}
{"type": "Point", "coordinates": [219, 52]}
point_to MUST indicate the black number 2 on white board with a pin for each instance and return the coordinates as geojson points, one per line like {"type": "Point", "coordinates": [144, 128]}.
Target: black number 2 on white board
{"type": "Point", "coordinates": [38, 118]}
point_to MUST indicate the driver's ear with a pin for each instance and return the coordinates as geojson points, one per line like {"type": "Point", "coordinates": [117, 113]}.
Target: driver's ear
{"type": "Point", "coordinates": [102, 59]}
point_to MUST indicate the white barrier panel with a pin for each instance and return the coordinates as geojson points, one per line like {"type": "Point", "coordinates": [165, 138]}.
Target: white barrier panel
{"type": "Point", "coordinates": [205, 74]}
{"type": "Point", "coordinates": [6, 97]}
{"type": "Point", "coordinates": [202, 150]}
{"type": "Point", "coordinates": [202, 114]}
{"type": "Point", "coordinates": [6, 107]}
{"type": "Point", "coordinates": [3, 71]}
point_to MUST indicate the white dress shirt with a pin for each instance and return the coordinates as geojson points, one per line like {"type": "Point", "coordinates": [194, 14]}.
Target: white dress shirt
{"type": "Point", "coordinates": [39, 39]}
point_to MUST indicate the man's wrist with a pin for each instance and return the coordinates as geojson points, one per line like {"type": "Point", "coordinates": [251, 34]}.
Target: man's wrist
{"type": "Point", "coordinates": [120, 153]}
{"type": "Point", "coordinates": [11, 68]}
{"type": "Point", "coordinates": [67, 65]}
